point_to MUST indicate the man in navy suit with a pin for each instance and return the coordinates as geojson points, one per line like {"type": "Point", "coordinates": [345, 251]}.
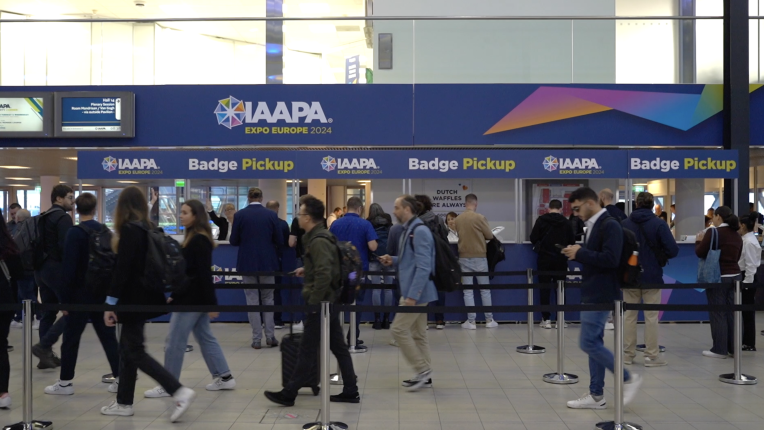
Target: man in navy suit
{"type": "Point", "coordinates": [600, 258]}
{"type": "Point", "coordinates": [257, 233]}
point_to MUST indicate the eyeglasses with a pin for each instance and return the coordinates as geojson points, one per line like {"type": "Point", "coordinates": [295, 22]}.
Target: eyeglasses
{"type": "Point", "coordinates": [576, 208]}
{"type": "Point", "coordinates": [301, 214]}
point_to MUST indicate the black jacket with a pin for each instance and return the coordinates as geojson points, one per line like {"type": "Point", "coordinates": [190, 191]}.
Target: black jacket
{"type": "Point", "coordinates": [222, 223]}
{"type": "Point", "coordinates": [199, 290]}
{"type": "Point", "coordinates": [659, 235]}
{"type": "Point", "coordinates": [54, 224]}
{"type": "Point", "coordinates": [552, 229]}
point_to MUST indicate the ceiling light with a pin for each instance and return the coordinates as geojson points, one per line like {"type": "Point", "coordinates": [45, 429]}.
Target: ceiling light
{"type": "Point", "coordinates": [322, 28]}
{"type": "Point", "coordinates": [70, 158]}
{"type": "Point", "coordinates": [127, 182]}
{"type": "Point", "coordinates": [14, 167]}
{"type": "Point", "coordinates": [364, 181]}
{"type": "Point", "coordinates": [19, 179]}
{"type": "Point", "coordinates": [18, 185]}
{"type": "Point", "coordinates": [315, 8]}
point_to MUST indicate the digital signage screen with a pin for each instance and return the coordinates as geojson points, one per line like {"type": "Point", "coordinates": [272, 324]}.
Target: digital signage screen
{"type": "Point", "coordinates": [95, 114]}
{"type": "Point", "coordinates": [25, 114]}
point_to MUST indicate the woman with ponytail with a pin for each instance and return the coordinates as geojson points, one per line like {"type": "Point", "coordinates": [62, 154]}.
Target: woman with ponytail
{"type": "Point", "coordinates": [731, 244]}
{"type": "Point", "coordinates": [749, 264]}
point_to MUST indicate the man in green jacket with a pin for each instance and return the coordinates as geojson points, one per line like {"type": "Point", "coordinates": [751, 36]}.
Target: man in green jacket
{"type": "Point", "coordinates": [322, 278]}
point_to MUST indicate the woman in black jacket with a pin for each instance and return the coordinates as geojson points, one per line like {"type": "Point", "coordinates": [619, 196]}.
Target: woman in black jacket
{"type": "Point", "coordinates": [129, 288]}
{"type": "Point", "coordinates": [198, 290]}
{"type": "Point", "coordinates": [223, 222]}
{"type": "Point", "coordinates": [11, 269]}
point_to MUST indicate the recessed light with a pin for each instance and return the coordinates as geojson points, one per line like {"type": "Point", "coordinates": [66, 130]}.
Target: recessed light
{"type": "Point", "coordinates": [127, 182]}
{"type": "Point", "coordinates": [18, 185]}
{"type": "Point", "coordinates": [19, 179]}
{"type": "Point", "coordinates": [14, 167]}
{"type": "Point", "coordinates": [70, 158]}
{"type": "Point", "coordinates": [364, 181]}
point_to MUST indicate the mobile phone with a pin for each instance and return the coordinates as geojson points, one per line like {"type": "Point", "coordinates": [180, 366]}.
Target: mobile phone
{"type": "Point", "coordinates": [558, 246]}
{"type": "Point", "coordinates": [375, 256]}
{"type": "Point", "coordinates": [292, 273]}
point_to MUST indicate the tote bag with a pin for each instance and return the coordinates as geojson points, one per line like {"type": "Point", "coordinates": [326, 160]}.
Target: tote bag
{"type": "Point", "coordinates": [709, 271]}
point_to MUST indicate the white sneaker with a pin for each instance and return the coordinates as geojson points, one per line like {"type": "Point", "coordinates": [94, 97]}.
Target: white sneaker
{"type": "Point", "coordinates": [17, 324]}
{"type": "Point", "coordinates": [609, 326]}
{"type": "Point", "coordinates": [713, 355]}
{"type": "Point", "coordinates": [156, 392]}
{"type": "Point", "coordinates": [219, 384]}
{"type": "Point", "coordinates": [547, 324]}
{"type": "Point", "coordinates": [394, 342]}
{"type": "Point", "coordinates": [469, 325]}
{"type": "Point", "coordinates": [116, 409]}
{"type": "Point", "coordinates": [420, 380]}
{"type": "Point", "coordinates": [60, 390]}
{"type": "Point", "coordinates": [565, 325]}
{"type": "Point", "coordinates": [114, 386]}
{"type": "Point", "coordinates": [587, 402]}
{"type": "Point", "coordinates": [5, 401]}
{"type": "Point", "coordinates": [440, 326]}
{"type": "Point", "coordinates": [491, 324]}
{"type": "Point", "coordinates": [298, 327]}
{"type": "Point", "coordinates": [655, 362]}
{"type": "Point", "coordinates": [183, 399]}
{"type": "Point", "coordinates": [631, 387]}
{"type": "Point", "coordinates": [36, 325]}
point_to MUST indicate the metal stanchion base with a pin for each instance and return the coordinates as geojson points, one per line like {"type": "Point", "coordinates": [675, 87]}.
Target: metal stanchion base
{"type": "Point", "coordinates": [729, 378]}
{"type": "Point", "coordinates": [531, 349]}
{"type": "Point", "coordinates": [612, 425]}
{"type": "Point", "coordinates": [34, 425]}
{"type": "Point", "coordinates": [353, 350]}
{"type": "Point", "coordinates": [334, 425]}
{"type": "Point", "coordinates": [565, 378]}
{"type": "Point", "coordinates": [334, 379]}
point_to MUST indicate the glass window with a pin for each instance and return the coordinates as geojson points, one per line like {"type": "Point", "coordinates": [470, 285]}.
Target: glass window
{"type": "Point", "coordinates": [29, 200]}
{"type": "Point", "coordinates": [110, 197]}
{"type": "Point", "coordinates": [77, 194]}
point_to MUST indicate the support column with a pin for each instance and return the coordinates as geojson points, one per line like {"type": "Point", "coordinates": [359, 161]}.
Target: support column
{"type": "Point", "coordinates": [737, 111]}
{"type": "Point", "coordinates": [317, 188]}
{"type": "Point", "coordinates": [46, 185]}
{"type": "Point", "coordinates": [687, 65]}
{"type": "Point", "coordinates": [689, 207]}
{"type": "Point", "coordinates": [336, 198]}
{"type": "Point", "coordinates": [275, 189]}
{"type": "Point", "coordinates": [274, 43]}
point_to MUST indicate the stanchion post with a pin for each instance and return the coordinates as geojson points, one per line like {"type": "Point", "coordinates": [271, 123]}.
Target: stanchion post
{"type": "Point", "coordinates": [324, 422]}
{"type": "Point", "coordinates": [336, 378]}
{"type": "Point", "coordinates": [737, 377]}
{"type": "Point", "coordinates": [28, 423]}
{"type": "Point", "coordinates": [618, 423]}
{"type": "Point", "coordinates": [560, 377]}
{"type": "Point", "coordinates": [352, 334]}
{"type": "Point", "coordinates": [530, 348]}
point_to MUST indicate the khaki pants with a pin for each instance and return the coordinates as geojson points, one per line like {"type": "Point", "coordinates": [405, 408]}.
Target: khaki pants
{"type": "Point", "coordinates": [410, 331]}
{"type": "Point", "coordinates": [652, 297]}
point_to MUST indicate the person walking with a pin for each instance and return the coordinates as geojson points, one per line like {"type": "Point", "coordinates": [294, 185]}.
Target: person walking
{"type": "Point", "coordinates": [131, 242]}
{"type": "Point", "coordinates": [27, 285]}
{"type": "Point", "coordinates": [322, 279]}
{"type": "Point", "coordinates": [415, 265]}
{"type": "Point", "coordinates": [356, 230]}
{"type": "Point", "coordinates": [549, 231]}
{"type": "Point", "coordinates": [278, 295]}
{"type": "Point", "coordinates": [381, 222]}
{"type": "Point", "coordinates": [52, 228]}
{"type": "Point", "coordinates": [223, 222]}
{"type": "Point", "coordinates": [750, 260]}
{"type": "Point", "coordinates": [731, 245]}
{"type": "Point", "coordinates": [656, 247]}
{"type": "Point", "coordinates": [474, 231]}
{"type": "Point", "coordinates": [198, 290]}
{"type": "Point", "coordinates": [11, 270]}
{"type": "Point", "coordinates": [257, 233]}
{"type": "Point", "coordinates": [13, 223]}
{"type": "Point", "coordinates": [600, 257]}
{"type": "Point", "coordinates": [76, 291]}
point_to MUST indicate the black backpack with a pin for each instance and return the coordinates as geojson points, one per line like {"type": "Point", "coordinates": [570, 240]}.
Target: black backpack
{"type": "Point", "coordinates": [351, 270]}
{"type": "Point", "coordinates": [165, 265]}
{"type": "Point", "coordinates": [25, 234]}
{"type": "Point", "coordinates": [660, 254]}
{"type": "Point", "coordinates": [447, 274]}
{"type": "Point", "coordinates": [37, 240]}
{"type": "Point", "coordinates": [629, 275]}
{"type": "Point", "coordinates": [101, 260]}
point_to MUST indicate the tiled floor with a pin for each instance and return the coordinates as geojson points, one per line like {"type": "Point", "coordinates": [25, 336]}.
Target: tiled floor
{"type": "Point", "coordinates": [480, 382]}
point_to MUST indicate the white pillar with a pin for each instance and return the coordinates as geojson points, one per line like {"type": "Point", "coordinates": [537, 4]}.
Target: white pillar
{"type": "Point", "coordinates": [275, 189]}
{"type": "Point", "coordinates": [46, 185]}
{"type": "Point", "coordinates": [690, 208]}
{"type": "Point", "coordinates": [336, 197]}
{"type": "Point", "coordinates": [317, 189]}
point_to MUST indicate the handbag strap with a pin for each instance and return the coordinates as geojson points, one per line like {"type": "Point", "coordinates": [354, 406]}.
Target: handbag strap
{"type": "Point", "coordinates": [6, 272]}
{"type": "Point", "coordinates": [714, 239]}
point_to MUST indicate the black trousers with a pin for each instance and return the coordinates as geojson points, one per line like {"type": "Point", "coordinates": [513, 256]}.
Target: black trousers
{"type": "Point", "coordinates": [49, 280]}
{"type": "Point", "coordinates": [70, 348]}
{"type": "Point", "coordinates": [441, 302]}
{"type": "Point", "coordinates": [722, 323]}
{"type": "Point", "coordinates": [309, 351]}
{"type": "Point", "coordinates": [545, 294]}
{"type": "Point", "coordinates": [5, 365]}
{"type": "Point", "coordinates": [133, 357]}
{"type": "Point", "coordinates": [749, 317]}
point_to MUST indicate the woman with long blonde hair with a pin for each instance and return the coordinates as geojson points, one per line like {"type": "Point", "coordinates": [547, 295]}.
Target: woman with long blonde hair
{"type": "Point", "coordinates": [198, 290]}
{"type": "Point", "coordinates": [131, 222]}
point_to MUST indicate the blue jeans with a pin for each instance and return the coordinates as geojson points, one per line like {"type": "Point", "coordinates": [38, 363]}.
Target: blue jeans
{"type": "Point", "coordinates": [475, 265]}
{"type": "Point", "coordinates": [181, 325]}
{"type": "Point", "coordinates": [376, 295]}
{"type": "Point", "coordinates": [592, 343]}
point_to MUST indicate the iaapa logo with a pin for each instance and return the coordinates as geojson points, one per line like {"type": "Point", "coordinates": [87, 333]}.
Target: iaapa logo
{"type": "Point", "coordinates": [218, 279]}
{"type": "Point", "coordinates": [111, 164]}
{"type": "Point", "coordinates": [329, 163]}
{"type": "Point", "coordinates": [232, 112]}
{"type": "Point", "coordinates": [350, 165]}
{"type": "Point", "coordinates": [552, 163]}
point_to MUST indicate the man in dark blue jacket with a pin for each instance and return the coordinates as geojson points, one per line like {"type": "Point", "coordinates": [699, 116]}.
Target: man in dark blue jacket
{"type": "Point", "coordinates": [653, 235]}
{"type": "Point", "coordinates": [600, 258]}
{"type": "Point", "coordinates": [258, 234]}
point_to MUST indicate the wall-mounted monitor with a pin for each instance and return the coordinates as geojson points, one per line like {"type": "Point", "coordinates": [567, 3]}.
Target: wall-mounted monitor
{"type": "Point", "coordinates": [95, 114]}
{"type": "Point", "coordinates": [26, 114]}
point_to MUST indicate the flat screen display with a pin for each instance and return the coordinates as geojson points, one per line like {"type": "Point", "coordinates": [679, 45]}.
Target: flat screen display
{"type": "Point", "coordinates": [91, 114]}
{"type": "Point", "coordinates": [26, 114]}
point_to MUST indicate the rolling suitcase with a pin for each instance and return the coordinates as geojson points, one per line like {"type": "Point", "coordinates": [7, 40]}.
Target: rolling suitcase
{"type": "Point", "coordinates": [290, 347]}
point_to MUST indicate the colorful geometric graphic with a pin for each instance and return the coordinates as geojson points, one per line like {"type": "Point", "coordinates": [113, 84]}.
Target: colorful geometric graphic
{"type": "Point", "coordinates": [328, 163]}
{"type": "Point", "coordinates": [230, 112]}
{"type": "Point", "coordinates": [109, 164]}
{"type": "Point", "coordinates": [550, 163]}
{"type": "Point", "coordinates": [36, 105]}
{"type": "Point", "coordinates": [677, 110]}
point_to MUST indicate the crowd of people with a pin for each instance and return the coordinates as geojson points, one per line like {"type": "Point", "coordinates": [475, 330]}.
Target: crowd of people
{"type": "Point", "coordinates": [51, 253]}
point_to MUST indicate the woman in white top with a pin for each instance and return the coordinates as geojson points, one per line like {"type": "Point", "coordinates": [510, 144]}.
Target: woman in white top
{"type": "Point", "coordinates": [750, 259]}
{"type": "Point", "coordinates": [223, 222]}
{"type": "Point", "coordinates": [451, 223]}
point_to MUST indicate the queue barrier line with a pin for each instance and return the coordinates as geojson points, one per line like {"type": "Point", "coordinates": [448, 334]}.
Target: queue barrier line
{"type": "Point", "coordinates": [382, 273]}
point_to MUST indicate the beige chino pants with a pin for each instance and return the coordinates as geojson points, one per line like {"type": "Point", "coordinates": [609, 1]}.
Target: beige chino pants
{"type": "Point", "coordinates": [652, 297]}
{"type": "Point", "coordinates": [410, 331]}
